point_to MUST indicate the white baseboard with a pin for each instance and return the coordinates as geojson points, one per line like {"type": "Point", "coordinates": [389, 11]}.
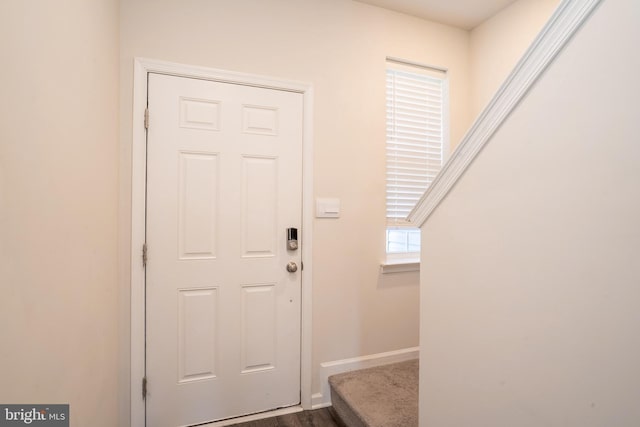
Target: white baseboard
{"type": "Point", "coordinates": [323, 399]}
{"type": "Point", "coordinates": [317, 401]}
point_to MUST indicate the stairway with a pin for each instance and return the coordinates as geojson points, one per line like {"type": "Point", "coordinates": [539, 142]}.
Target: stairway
{"type": "Point", "coordinates": [384, 396]}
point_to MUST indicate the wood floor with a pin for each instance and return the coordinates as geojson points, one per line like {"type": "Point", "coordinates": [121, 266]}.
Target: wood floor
{"type": "Point", "coordinates": [316, 418]}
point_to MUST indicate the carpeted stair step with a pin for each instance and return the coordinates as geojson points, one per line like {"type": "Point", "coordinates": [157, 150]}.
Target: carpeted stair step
{"type": "Point", "coordinates": [384, 396]}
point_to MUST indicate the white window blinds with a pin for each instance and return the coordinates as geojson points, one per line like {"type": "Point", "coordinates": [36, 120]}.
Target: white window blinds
{"type": "Point", "coordinates": [415, 137]}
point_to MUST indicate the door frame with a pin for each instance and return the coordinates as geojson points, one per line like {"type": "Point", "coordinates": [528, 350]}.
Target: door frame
{"type": "Point", "coordinates": [143, 66]}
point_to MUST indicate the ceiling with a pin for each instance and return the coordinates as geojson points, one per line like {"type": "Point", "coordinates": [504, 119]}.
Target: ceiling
{"type": "Point", "coordinates": [465, 14]}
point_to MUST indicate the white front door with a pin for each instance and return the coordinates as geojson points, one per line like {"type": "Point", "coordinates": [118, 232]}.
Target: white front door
{"type": "Point", "coordinates": [224, 182]}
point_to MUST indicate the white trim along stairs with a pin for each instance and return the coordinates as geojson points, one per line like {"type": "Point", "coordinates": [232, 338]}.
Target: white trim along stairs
{"type": "Point", "coordinates": [567, 19]}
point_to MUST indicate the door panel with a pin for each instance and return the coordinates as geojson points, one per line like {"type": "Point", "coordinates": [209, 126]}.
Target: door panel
{"type": "Point", "coordinates": [224, 182]}
{"type": "Point", "coordinates": [197, 337]}
{"type": "Point", "coordinates": [259, 206]}
{"type": "Point", "coordinates": [197, 205]}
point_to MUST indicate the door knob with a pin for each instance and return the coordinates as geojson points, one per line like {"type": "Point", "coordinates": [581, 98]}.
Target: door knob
{"type": "Point", "coordinates": [292, 267]}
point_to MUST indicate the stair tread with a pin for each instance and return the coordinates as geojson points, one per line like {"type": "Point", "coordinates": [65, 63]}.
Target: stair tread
{"type": "Point", "coordinates": [383, 396]}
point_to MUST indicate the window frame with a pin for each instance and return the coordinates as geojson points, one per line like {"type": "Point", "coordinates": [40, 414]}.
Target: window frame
{"type": "Point", "coordinates": [395, 258]}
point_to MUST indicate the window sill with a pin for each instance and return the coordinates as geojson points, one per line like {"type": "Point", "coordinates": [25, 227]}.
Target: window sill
{"type": "Point", "coordinates": [400, 266]}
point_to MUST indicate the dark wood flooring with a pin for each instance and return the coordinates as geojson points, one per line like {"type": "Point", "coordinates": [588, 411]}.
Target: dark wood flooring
{"type": "Point", "coordinates": [316, 418]}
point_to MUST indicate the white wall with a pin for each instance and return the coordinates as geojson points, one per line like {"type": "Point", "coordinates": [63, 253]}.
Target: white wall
{"type": "Point", "coordinates": [58, 206]}
{"type": "Point", "coordinates": [530, 280]}
{"type": "Point", "coordinates": [497, 44]}
{"type": "Point", "coordinates": [339, 47]}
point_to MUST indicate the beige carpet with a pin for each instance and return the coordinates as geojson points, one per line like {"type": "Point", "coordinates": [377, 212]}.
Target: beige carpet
{"type": "Point", "coordinates": [384, 396]}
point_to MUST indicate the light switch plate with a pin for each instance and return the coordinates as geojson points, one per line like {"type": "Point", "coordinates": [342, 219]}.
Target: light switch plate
{"type": "Point", "coordinates": [327, 208]}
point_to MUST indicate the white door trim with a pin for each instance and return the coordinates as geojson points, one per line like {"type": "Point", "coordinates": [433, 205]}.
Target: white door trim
{"type": "Point", "coordinates": [142, 67]}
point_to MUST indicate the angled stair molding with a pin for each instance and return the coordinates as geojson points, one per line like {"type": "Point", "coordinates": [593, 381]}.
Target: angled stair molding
{"type": "Point", "coordinates": [566, 20]}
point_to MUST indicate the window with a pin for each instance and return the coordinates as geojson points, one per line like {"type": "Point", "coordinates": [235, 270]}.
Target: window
{"type": "Point", "coordinates": [417, 140]}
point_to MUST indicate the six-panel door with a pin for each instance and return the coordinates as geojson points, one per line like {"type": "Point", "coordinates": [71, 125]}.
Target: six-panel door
{"type": "Point", "coordinates": [224, 182]}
